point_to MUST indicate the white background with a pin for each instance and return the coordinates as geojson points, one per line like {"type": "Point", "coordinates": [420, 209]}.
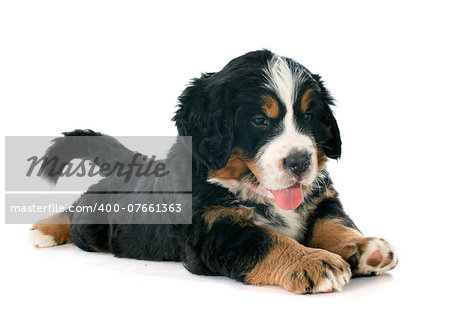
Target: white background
{"type": "Point", "coordinates": [118, 67]}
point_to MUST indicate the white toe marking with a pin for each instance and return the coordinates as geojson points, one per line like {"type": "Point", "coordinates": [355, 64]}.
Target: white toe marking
{"type": "Point", "coordinates": [344, 279]}
{"type": "Point", "coordinates": [335, 282]}
{"type": "Point", "coordinates": [39, 239]}
{"type": "Point", "coordinates": [325, 286]}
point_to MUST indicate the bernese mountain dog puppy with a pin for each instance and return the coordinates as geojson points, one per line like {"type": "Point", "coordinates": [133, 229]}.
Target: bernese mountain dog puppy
{"type": "Point", "coordinates": [264, 209]}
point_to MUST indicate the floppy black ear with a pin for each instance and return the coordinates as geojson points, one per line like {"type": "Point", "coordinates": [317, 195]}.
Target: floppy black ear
{"type": "Point", "coordinates": [205, 114]}
{"type": "Point", "coordinates": [332, 145]}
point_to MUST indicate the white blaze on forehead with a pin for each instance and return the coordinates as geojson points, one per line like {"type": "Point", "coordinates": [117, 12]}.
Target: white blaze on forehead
{"type": "Point", "coordinates": [285, 81]}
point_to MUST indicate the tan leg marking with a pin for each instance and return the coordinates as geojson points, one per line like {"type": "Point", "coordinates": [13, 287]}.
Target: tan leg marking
{"type": "Point", "coordinates": [367, 255]}
{"type": "Point", "coordinates": [333, 236]}
{"type": "Point", "coordinates": [298, 268]}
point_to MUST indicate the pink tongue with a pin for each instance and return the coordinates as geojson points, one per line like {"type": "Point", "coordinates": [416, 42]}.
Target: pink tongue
{"type": "Point", "coordinates": [290, 198]}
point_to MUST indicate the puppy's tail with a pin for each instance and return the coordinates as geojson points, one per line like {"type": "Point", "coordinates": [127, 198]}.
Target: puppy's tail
{"type": "Point", "coordinates": [100, 149]}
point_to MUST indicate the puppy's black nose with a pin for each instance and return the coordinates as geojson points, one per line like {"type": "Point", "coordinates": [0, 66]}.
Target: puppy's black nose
{"type": "Point", "coordinates": [297, 162]}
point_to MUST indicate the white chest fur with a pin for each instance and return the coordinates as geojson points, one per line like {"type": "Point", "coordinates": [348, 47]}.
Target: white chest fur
{"type": "Point", "coordinates": [294, 221]}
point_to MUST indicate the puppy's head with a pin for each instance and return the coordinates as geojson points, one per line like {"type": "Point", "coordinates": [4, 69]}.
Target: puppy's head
{"type": "Point", "coordinates": [261, 125]}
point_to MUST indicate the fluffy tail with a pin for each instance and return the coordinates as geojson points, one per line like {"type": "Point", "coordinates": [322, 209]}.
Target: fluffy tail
{"type": "Point", "coordinates": [74, 145]}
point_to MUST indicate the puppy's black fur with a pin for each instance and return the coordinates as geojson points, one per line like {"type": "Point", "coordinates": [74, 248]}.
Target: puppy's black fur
{"type": "Point", "coordinates": [222, 112]}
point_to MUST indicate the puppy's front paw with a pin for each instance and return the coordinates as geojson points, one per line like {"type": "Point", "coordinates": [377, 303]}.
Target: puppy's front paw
{"type": "Point", "coordinates": [301, 270]}
{"type": "Point", "coordinates": [320, 272]}
{"type": "Point", "coordinates": [371, 256]}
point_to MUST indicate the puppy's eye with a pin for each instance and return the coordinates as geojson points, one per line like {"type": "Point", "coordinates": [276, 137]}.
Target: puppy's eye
{"type": "Point", "coordinates": [307, 116]}
{"type": "Point", "coordinates": [260, 121]}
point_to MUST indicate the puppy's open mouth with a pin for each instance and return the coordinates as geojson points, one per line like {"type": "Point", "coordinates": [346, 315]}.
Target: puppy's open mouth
{"type": "Point", "coordinates": [289, 198]}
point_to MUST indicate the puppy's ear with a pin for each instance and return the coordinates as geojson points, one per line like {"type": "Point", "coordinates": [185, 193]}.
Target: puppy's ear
{"type": "Point", "coordinates": [332, 146]}
{"type": "Point", "coordinates": [204, 113]}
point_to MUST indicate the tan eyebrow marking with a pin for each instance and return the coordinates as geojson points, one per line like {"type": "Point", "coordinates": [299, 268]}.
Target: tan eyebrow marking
{"type": "Point", "coordinates": [270, 106]}
{"type": "Point", "coordinates": [306, 100]}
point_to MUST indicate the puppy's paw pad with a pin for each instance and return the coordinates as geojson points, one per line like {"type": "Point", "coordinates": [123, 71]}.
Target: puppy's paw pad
{"type": "Point", "coordinates": [374, 256]}
{"type": "Point", "coordinates": [374, 259]}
